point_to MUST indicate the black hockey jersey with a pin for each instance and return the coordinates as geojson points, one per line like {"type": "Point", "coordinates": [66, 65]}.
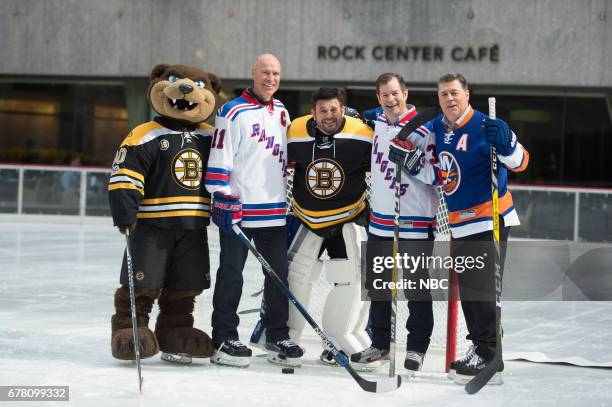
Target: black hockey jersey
{"type": "Point", "coordinates": [157, 176]}
{"type": "Point", "coordinates": [329, 186]}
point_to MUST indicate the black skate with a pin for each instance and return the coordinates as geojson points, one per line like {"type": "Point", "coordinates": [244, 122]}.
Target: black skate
{"type": "Point", "coordinates": [465, 370]}
{"type": "Point", "coordinates": [285, 352]}
{"type": "Point", "coordinates": [453, 366]}
{"type": "Point", "coordinates": [232, 353]}
{"type": "Point", "coordinates": [414, 361]}
{"type": "Point", "coordinates": [370, 358]}
{"type": "Point", "coordinates": [327, 358]}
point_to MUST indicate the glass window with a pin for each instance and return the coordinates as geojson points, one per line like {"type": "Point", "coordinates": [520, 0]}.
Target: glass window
{"type": "Point", "coordinates": [50, 123]}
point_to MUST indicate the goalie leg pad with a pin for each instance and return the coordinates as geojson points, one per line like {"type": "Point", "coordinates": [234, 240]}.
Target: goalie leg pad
{"type": "Point", "coordinates": [344, 314]}
{"type": "Point", "coordinates": [304, 270]}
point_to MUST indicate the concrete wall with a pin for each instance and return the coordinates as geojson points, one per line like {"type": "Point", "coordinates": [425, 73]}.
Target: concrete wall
{"type": "Point", "coordinates": [540, 42]}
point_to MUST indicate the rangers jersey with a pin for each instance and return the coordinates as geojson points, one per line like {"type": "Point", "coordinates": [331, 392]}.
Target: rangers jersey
{"type": "Point", "coordinates": [465, 171]}
{"type": "Point", "coordinates": [329, 185]}
{"type": "Point", "coordinates": [418, 198]}
{"type": "Point", "coordinates": [248, 158]}
{"type": "Point", "coordinates": [157, 176]}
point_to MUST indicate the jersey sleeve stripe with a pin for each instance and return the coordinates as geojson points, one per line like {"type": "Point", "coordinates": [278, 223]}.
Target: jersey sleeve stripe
{"type": "Point", "coordinates": [265, 205]}
{"type": "Point", "coordinates": [122, 178]}
{"type": "Point", "coordinates": [217, 170]}
{"type": "Point", "coordinates": [125, 185]}
{"type": "Point", "coordinates": [174, 199]}
{"type": "Point", "coordinates": [131, 173]}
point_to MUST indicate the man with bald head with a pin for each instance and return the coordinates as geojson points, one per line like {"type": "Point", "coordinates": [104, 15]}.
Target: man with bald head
{"type": "Point", "coordinates": [246, 176]}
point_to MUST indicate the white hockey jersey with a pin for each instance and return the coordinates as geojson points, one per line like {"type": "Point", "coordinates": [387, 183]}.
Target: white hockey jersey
{"type": "Point", "coordinates": [248, 158]}
{"type": "Point", "coordinates": [418, 198]}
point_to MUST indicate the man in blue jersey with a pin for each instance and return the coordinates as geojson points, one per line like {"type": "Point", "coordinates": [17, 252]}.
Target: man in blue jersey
{"type": "Point", "coordinates": [463, 139]}
{"type": "Point", "coordinates": [246, 175]}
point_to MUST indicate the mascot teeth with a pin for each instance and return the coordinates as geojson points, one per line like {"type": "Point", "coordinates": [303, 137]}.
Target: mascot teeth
{"type": "Point", "coordinates": [182, 104]}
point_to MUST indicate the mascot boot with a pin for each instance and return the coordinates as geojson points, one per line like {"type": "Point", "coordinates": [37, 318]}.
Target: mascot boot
{"type": "Point", "coordinates": [178, 339]}
{"type": "Point", "coordinates": [122, 340]}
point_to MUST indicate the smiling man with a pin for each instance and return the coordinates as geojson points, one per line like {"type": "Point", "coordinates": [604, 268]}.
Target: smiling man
{"type": "Point", "coordinates": [331, 154]}
{"type": "Point", "coordinates": [418, 205]}
{"type": "Point", "coordinates": [463, 138]}
{"type": "Point", "coordinates": [246, 175]}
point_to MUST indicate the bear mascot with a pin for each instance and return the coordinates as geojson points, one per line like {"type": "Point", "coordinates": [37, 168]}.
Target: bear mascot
{"type": "Point", "coordinates": [158, 200]}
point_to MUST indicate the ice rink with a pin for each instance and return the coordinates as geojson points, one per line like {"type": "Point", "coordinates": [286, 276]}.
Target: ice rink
{"type": "Point", "coordinates": [56, 300]}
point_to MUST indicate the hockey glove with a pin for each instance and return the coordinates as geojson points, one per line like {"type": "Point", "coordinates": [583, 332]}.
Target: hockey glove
{"type": "Point", "coordinates": [349, 111]}
{"type": "Point", "coordinates": [370, 116]}
{"type": "Point", "coordinates": [226, 211]}
{"type": "Point", "coordinates": [498, 134]}
{"type": "Point", "coordinates": [407, 155]}
{"type": "Point", "coordinates": [123, 229]}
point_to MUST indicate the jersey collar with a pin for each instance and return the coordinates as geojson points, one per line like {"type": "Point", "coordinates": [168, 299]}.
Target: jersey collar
{"type": "Point", "coordinates": [462, 120]}
{"type": "Point", "coordinates": [403, 119]}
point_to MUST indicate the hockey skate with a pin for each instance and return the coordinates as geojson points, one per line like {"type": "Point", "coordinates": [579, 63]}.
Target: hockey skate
{"type": "Point", "coordinates": [284, 352]}
{"type": "Point", "coordinates": [232, 353]}
{"type": "Point", "coordinates": [327, 358]}
{"type": "Point", "coordinates": [453, 365]}
{"type": "Point", "coordinates": [465, 370]}
{"type": "Point", "coordinates": [413, 362]}
{"type": "Point", "coordinates": [369, 359]}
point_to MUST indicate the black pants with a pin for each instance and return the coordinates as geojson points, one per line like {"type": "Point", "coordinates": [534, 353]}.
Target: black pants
{"type": "Point", "coordinates": [477, 288]}
{"type": "Point", "coordinates": [168, 258]}
{"type": "Point", "coordinates": [272, 244]}
{"type": "Point", "coordinates": [420, 321]}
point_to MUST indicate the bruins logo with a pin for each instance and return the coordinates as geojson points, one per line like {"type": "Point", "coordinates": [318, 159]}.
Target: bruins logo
{"type": "Point", "coordinates": [187, 168]}
{"type": "Point", "coordinates": [450, 172]}
{"type": "Point", "coordinates": [324, 178]}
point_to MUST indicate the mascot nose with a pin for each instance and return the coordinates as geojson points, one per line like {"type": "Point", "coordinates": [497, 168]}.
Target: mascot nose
{"type": "Point", "coordinates": [185, 89]}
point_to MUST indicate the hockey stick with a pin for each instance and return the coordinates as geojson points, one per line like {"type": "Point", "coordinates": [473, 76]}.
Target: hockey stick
{"type": "Point", "coordinates": [133, 307]}
{"type": "Point", "coordinates": [416, 122]}
{"type": "Point", "coordinates": [395, 271]}
{"type": "Point", "coordinates": [483, 377]}
{"type": "Point", "coordinates": [249, 311]}
{"type": "Point", "coordinates": [380, 386]}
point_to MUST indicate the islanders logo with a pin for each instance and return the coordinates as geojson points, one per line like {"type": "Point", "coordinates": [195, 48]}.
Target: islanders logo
{"type": "Point", "coordinates": [187, 169]}
{"type": "Point", "coordinates": [450, 172]}
{"type": "Point", "coordinates": [324, 178]}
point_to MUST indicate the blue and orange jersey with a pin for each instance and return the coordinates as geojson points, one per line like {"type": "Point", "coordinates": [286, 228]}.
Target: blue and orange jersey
{"type": "Point", "coordinates": [464, 168]}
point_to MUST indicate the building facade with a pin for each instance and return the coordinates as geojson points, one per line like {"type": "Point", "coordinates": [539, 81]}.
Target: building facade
{"type": "Point", "coordinates": [73, 74]}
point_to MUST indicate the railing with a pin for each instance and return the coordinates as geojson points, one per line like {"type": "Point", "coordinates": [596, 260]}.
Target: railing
{"type": "Point", "coordinates": [561, 213]}
{"type": "Point", "coordinates": [54, 190]}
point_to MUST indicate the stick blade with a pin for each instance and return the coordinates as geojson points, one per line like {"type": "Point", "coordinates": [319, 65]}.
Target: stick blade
{"type": "Point", "coordinates": [384, 385]}
{"type": "Point", "coordinates": [482, 378]}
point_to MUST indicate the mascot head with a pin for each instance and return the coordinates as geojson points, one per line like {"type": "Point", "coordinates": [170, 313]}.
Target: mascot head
{"type": "Point", "coordinates": [183, 92]}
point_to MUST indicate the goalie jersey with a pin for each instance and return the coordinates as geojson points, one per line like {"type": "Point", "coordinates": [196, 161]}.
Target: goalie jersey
{"type": "Point", "coordinates": [157, 176]}
{"type": "Point", "coordinates": [329, 186]}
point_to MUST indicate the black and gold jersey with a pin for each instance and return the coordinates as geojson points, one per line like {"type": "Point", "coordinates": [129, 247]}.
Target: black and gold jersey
{"type": "Point", "coordinates": [157, 176]}
{"type": "Point", "coordinates": [329, 186]}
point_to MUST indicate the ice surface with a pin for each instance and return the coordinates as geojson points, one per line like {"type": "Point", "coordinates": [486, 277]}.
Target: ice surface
{"type": "Point", "coordinates": [57, 283]}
